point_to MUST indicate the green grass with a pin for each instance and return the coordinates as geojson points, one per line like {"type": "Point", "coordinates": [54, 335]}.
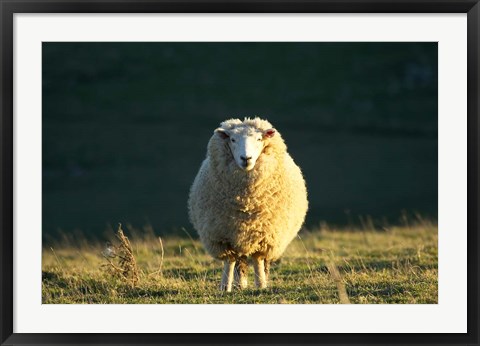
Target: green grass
{"type": "Point", "coordinates": [398, 265]}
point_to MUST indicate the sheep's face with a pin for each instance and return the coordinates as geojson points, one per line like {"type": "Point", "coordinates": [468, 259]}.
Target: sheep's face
{"type": "Point", "coordinates": [246, 144]}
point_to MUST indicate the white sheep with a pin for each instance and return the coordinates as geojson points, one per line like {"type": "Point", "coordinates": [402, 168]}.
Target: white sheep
{"type": "Point", "coordinates": [248, 199]}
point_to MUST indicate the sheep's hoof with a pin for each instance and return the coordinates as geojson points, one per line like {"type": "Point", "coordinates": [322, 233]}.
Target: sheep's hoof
{"type": "Point", "coordinates": [241, 283]}
{"type": "Point", "coordinates": [225, 288]}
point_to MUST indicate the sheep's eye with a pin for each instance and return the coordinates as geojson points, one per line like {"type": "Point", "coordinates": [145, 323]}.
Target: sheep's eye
{"type": "Point", "coordinates": [259, 139]}
{"type": "Point", "coordinates": [233, 140]}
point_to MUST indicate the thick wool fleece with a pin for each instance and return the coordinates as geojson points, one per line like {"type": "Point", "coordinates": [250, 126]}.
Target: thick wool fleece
{"type": "Point", "coordinates": [239, 213]}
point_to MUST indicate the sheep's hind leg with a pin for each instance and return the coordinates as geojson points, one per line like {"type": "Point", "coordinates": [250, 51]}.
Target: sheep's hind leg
{"type": "Point", "coordinates": [259, 266]}
{"type": "Point", "coordinates": [267, 271]}
{"type": "Point", "coordinates": [241, 273]}
{"type": "Point", "coordinates": [227, 275]}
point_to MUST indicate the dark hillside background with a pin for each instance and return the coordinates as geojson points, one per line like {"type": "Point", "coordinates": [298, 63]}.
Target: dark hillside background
{"type": "Point", "coordinates": [125, 126]}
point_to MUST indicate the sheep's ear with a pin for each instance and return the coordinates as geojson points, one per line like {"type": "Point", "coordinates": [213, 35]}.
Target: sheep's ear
{"type": "Point", "coordinates": [222, 133]}
{"type": "Point", "coordinates": [269, 133]}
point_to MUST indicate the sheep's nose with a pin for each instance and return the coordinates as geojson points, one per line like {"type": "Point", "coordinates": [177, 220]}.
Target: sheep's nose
{"type": "Point", "coordinates": [245, 158]}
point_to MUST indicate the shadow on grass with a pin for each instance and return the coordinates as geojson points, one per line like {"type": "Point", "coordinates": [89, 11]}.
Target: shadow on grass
{"type": "Point", "coordinates": [73, 289]}
{"type": "Point", "coordinates": [54, 279]}
{"type": "Point", "coordinates": [380, 264]}
{"type": "Point", "coordinates": [153, 292]}
{"type": "Point", "coordinates": [382, 291]}
{"type": "Point", "coordinates": [192, 274]}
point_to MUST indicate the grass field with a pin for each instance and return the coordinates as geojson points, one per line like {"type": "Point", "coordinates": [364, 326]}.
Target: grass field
{"type": "Point", "coordinates": [395, 265]}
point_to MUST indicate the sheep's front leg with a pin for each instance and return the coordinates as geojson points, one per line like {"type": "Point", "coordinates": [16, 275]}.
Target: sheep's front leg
{"type": "Point", "coordinates": [259, 266]}
{"type": "Point", "coordinates": [241, 273]}
{"type": "Point", "coordinates": [227, 275]}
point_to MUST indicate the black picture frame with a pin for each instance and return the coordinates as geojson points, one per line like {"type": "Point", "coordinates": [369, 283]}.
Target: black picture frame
{"type": "Point", "coordinates": [10, 7]}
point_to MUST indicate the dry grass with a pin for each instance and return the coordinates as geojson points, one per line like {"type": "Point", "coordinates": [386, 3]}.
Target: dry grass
{"type": "Point", "coordinates": [396, 265]}
{"type": "Point", "coordinates": [120, 259]}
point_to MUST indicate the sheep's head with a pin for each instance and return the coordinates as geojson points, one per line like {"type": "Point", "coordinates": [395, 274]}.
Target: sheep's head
{"type": "Point", "coordinates": [245, 142]}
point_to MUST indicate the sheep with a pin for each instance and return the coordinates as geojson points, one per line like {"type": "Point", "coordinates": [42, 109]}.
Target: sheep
{"type": "Point", "coordinates": [248, 200]}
